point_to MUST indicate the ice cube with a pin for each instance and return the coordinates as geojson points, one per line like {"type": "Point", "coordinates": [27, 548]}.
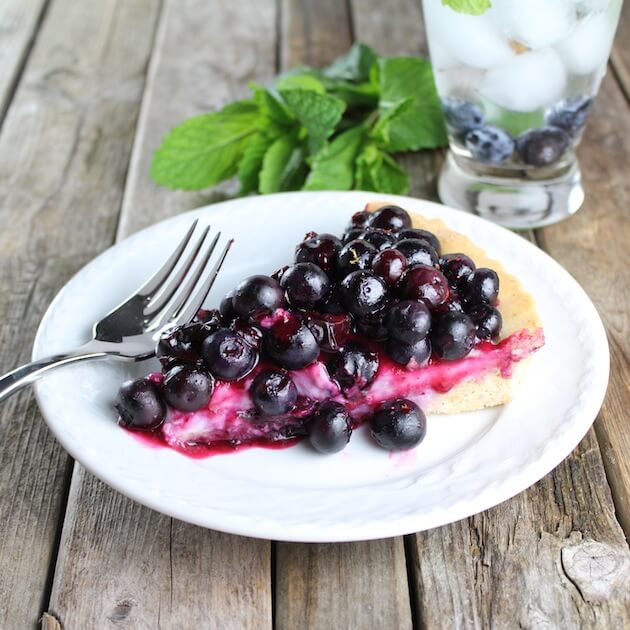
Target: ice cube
{"type": "Point", "coordinates": [588, 46]}
{"type": "Point", "coordinates": [472, 40]}
{"type": "Point", "coordinates": [534, 23]}
{"type": "Point", "coordinates": [527, 82]}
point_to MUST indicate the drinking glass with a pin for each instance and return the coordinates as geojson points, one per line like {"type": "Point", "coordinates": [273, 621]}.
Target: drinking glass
{"type": "Point", "coordinates": [517, 84]}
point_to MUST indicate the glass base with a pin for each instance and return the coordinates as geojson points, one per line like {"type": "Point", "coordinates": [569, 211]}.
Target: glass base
{"type": "Point", "coordinates": [514, 202]}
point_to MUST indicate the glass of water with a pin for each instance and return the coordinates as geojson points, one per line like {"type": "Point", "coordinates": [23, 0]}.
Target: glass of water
{"type": "Point", "coordinates": [517, 84]}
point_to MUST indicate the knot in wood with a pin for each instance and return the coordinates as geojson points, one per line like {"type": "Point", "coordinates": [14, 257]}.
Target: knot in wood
{"type": "Point", "coordinates": [596, 569]}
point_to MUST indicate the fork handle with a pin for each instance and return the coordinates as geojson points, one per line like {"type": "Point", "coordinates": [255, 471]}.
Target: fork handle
{"type": "Point", "coordinates": [26, 374]}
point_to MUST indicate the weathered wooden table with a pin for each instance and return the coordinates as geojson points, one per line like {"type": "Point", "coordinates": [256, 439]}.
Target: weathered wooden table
{"type": "Point", "coordinates": [86, 91]}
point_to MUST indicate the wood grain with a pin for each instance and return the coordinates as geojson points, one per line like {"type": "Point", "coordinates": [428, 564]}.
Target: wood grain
{"type": "Point", "coordinates": [552, 557]}
{"type": "Point", "coordinates": [393, 29]}
{"type": "Point", "coordinates": [123, 565]}
{"type": "Point", "coordinates": [313, 32]}
{"type": "Point", "coordinates": [352, 585]}
{"type": "Point", "coordinates": [19, 22]}
{"type": "Point", "coordinates": [620, 58]}
{"type": "Point", "coordinates": [592, 246]}
{"type": "Point", "coordinates": [64, 147]}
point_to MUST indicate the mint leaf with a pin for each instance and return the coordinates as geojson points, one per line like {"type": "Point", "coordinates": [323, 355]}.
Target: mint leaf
{"type": "Point", "coordinates": [377, 171]}
{"type": "Point", "coordinates": [354, 65]}
{"type": "Point", "coordinates": [319, 113]}
{"type": "Point", "coordinates": [354, 94]}
{"type": "Point", "coordinates": [419, 125]}
{"type": "Point", "coordinates": [206, 149]}
{"type": "Point", "coordinates": [471, 7]}
{"type": "Point", "coordinates": [333, 167]}
{"type": "Point", "coordinates": [252, 161]}
{"type": "Point", "coordinates": [300, 81]}
{"type": "Point", "coordinates": [283, 166]}
{"type": "Point", "coordinates": [271, 106]}
{"type": "Point", "coordinates": [389, 177]}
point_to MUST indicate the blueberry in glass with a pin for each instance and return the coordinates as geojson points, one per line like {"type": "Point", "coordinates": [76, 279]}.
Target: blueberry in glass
{"type": "Point", "coordinates": [541, 147]}
{"type": "Point", "coordinates": [490, 144]}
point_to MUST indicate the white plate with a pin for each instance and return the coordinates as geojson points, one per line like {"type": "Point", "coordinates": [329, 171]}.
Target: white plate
{"type": "Point", "coordinates": [466, 464]}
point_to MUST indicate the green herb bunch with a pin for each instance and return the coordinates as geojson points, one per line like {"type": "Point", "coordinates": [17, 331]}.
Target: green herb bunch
{"type": "Point", "coordinates": [335, 128]}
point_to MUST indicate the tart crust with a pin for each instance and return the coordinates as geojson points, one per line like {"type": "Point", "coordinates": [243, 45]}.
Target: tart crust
{"type": "Point", "coordinates": [517, 308]}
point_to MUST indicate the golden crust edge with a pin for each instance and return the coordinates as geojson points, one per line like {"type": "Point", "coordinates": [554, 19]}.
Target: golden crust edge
{"type": "Point", "coordinates": [518, 310]}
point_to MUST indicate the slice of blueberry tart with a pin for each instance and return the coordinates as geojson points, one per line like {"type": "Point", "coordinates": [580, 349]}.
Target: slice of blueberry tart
{"type": "Point", "coordinates": [398, 317]}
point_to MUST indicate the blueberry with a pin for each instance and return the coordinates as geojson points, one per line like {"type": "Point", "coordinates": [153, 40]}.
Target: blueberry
{"type": "Point", "coordinates": [211, 317]}
{"type": "Point", "coordinates": [226, 309]}
{"type": "Point", "coordinates": [354, 368]}
{"type": "Point", "coordinates": [355, 255]}
{"type": "Point", "coordinates": [410, 354]}
{"type": "Point", "coordinates": [540, 147]}
{"type": "Point", "coordinates": [277, 274]}
{"type": "Point", "coordinates": [490, 144]}
{"type": "Point", "coordinates": [140, 404]}
{"type": "Point", "coordinates": [273, 392]}
{"type": "Point", "coordinates": [188, 388]}
{"type": "Point", "coordinates": [398, 425]}
{"type": "Point", "coordinates": [179, 345]}
{"type": "Point", "coordinates": [462, 115]}
{"type": "Point", "coordinates": [392, 218]}
{"type": "Point", "coordinates": [571, 114]}
{"type": "Point", "coordinates": [321, 250]}
{"type": "Point", "coordinates": [351, 234]}
{"type": "Point", "coordinates": [331, 304]}
{"type": "Point", "coordinates": [381, 239]}
{"type": "Point", "coordinates": [453, 336]}
{"type": "Point", "coordinates": [390, 265]}
{"type": "Point", "coordinates": [373, 326]}
{"type": "Point", "coordinates": [418, 252]}
{"type": "Point", "coordinates": [487, 319]}
{"type": "Point", "coordinates": [360, 219]}
{"type": "Point", "coordinates": [482, 286]}
{"type": "Point", "coordinates": [425, 283]}
{"type": "Point", "coordinates": [290, 343]}
{"type": "Point", "coordinates": [331, 330]}
{"type": "Point", "coordinates": [252, 334]}
{"type": "Point", "coordinates": [329, 428]}
{"type": "Point", "coordinates": [363, 293]}
{"type": "Point", "coordinates": [227, 355]}
{"type": "Point", "coordinates": [256, 294]}
{"type": "Point", "coordinates": [408, 321]}
{"type": "Point", "coordinates": [305, 284]}
{"type": "Point", "coordinates": [423, 235]}
{"type": "Point", "coordinates": [456, 268]}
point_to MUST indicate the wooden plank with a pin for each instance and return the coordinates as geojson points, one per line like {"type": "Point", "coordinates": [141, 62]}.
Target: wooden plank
{"type": "Point", "coordinates": [392, 29]}
{"type": "Point", "coordinates": [351, 585]}
{"type": "Point", "coordinates": [620, 58]}
{"type": "Point", "coordinates": [592, 245]}
{"type": "Point", "coordinates": [514, 566]}
{"type": "Point", "coordinates": [313, 32]}
{"type": "Point", "coordinates": [64, 147]}
{"type": "Point", "coordinates": [19, 22]}
{"type": "Point", "coordinates": [161, 572]}
{"type": "Point", "coordinates": [552, 557]}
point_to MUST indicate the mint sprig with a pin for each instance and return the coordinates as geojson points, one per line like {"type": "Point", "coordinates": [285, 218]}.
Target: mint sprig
{"type": "Point", "coordinates": [334, 128]}
{"type": "Point", "coordinates": [471, 7]}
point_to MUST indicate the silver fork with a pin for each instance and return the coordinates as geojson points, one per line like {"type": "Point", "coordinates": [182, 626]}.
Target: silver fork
{"type": "Point", "coordinates": [171, 297]}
